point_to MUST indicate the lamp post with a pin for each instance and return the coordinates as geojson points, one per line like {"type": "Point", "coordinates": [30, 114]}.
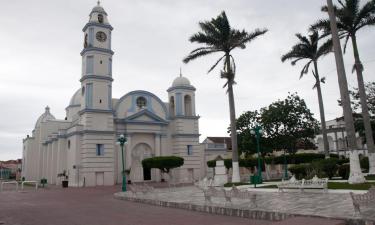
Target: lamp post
{"type": "Point", "coordinates": [122, 141]}
{"type": "Point", "coordinates": [258, 131]}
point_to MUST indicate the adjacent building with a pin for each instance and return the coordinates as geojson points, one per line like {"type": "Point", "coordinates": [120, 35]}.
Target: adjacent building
{"type": "Point", "coordinates": [337, 138]}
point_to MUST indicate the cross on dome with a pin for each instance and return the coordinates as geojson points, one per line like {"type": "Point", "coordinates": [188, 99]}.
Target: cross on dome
{"type": "Point", "coordinates": [98, 3]}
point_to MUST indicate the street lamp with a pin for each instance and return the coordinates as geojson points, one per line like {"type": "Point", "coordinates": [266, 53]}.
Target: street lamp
{"type": "Point", "coordinates": [257, 130]}
{"type": "Point", "coordinates": [122, 141]}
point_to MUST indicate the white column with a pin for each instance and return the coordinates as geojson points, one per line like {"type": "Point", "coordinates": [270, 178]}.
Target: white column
{"type": "Point", "coordinates": [157, 145]}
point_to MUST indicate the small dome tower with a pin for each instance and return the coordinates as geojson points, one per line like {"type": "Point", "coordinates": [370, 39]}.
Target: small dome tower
{"type": "Point", "coordinates": [181, 98]}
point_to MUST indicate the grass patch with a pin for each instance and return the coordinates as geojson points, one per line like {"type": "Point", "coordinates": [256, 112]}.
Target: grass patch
{"type": "Point", "coordinates": [230, 184]}
{"type": "Point", "coordinates": [370, 177]}
{"type": "Point", "coordinates": [268, 186]}
{"type": "Point", "coordinates": [337, 185]}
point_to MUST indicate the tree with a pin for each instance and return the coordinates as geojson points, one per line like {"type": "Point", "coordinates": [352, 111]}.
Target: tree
{"type": "Point", "coordinates": [287, 124]}
{"type": "Point", "coordinates": [163, 163]}
{"type": "Point", "coordinates": [217, 36]}
{"type": "Point", "coordinates": [308, 48]}
{"type": "Point", "coordinates": [370, 94]}
{"type": "Point", "coordinates": [246, 140]}
{"type": "Point", "coordinates": [351, 17]}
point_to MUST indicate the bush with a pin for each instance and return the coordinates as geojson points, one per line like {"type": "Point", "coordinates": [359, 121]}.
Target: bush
{"type": "Point", "coordinates": [342, 161]}
{"type": "Point", "coordinates": [211, 163]}
{"type": "Point", "coordinates": [344, 171]}
{"type": "Point", "coordinates": [295, 159]}
{"type": "Point", "coordinates": [328, 166]}
{"type": "Point", "coordinates": [163, 163]}
{"type": "Point", "coordinates": [247, 163]}
{"type": "Point", "coordinates": [300, 171]}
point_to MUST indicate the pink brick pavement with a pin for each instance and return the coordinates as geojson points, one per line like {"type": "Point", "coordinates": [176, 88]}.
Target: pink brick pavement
{"type": "Point", "coordinates": [96, 206]}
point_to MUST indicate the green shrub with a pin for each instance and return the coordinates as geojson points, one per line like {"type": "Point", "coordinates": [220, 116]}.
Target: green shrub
{"type": "Point", "coordinates": [247, 163]}
{"type": "Point", "coordinates": [294, 159]}
{"type": "Point", "coordinates": [163, 163]}
{"type": "Point", "coordinates": [300, 171]}
{"type": "Point", "coordinates": [327, 166]}
{"type": "Point", "coordinates": [342, 161]}
{"type": "Point", "coordinates": [211, 163]}
{"type": "Point", "coordinates": [344, 171]}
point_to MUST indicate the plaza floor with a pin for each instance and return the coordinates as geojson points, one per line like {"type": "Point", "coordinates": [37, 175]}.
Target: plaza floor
{"type": "Point", "coordinates": [269, 204]}
{"type": "Point", "coordinates": [97, 206]}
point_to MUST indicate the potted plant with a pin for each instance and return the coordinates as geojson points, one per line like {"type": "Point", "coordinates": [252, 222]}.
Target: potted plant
{"type": "Point", "coordinates": [43, 181]}
{"type": "Point", "coordinates": [65, 177]}
{"type": "Point", "coordinates": [127, 172]}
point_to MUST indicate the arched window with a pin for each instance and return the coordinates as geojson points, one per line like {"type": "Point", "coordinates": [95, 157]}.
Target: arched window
{"type": "Point", "coordinates": [68, 144]}
{"type": "Point", "coordinates": [100, 18]}
{"type": "Point", "coordinates": [171, 106]}
{"type": "Point", "coordinates": [187, 102]}
{"type": "Point", "coordinates": [141, 102]}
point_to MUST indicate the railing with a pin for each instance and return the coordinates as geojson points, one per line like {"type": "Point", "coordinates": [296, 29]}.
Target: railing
{"type": "Point", "coordinates": [216, 146]}
{"type": "Point", "coordinates": [29, 182]}
{"type": "Point", "coordinates": [8, 182]}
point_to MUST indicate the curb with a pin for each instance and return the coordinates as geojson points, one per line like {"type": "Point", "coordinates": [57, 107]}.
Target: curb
{"type": "Point", "coordinates": [238, 212]}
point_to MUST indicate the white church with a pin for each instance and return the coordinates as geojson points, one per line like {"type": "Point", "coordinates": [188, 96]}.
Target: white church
{"type": "Point", "coordinates": [84, 144]}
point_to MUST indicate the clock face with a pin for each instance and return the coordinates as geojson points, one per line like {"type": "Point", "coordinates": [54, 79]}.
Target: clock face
{"type": "Point", "coordinates": [101, 36]}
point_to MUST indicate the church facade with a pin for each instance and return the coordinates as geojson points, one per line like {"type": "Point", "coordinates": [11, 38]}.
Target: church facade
{"type": "Point", "coordinates": [84, 143]}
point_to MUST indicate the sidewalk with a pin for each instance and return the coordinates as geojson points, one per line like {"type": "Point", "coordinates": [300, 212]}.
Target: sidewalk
{"type": "Point", "coordinates": [271, 205]}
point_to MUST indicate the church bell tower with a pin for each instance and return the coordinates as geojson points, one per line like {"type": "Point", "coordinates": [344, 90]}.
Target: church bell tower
{"type": "Point", "coordinates": [96, 114]}
{"type": "Point", "coordinates": [97, 62]}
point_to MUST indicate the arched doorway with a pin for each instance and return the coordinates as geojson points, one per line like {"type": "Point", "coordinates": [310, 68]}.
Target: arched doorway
{"type": "Point", "coordinates": [139, 152]}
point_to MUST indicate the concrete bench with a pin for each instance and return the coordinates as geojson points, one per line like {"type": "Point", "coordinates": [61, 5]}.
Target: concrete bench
{"type": "Point", "coordinates": [8, 182]}
{"type": "Point", "coordinates": [144, 189]}
{"type": "Point", "coordinates": [315, 183]}
{"type": "Point", "coordinates": [363, 199]}
{"type": "Point", "coordinates": [228, 195]}
{"type": "Point", "coordinates": [29, 182]}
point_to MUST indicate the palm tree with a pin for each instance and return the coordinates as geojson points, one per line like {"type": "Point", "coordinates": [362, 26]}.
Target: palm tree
{"type": "Point", "coordinates": [308, 49]}
{"type": "Point", "coordinates": [217, 36]}
{"type": "Point", "coordinates": [350, 19]}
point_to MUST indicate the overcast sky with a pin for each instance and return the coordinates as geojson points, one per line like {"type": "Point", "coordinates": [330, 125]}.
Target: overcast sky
{"type": "Point", "coordinates": [40, 63]}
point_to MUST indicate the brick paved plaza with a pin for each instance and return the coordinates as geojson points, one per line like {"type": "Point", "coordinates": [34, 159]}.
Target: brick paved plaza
{"type": "Point", "coordinates": [97, 206]}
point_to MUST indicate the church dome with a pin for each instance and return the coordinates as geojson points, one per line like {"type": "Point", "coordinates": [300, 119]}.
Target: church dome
{"type": "Point", "coordinates": [181, 81]}
{"type": "Point", "coordinates": [76, 98]}
{"type": "Point", "coordinates": [98, 9]}
{"type": "Point", "coordinates": [44, 117]}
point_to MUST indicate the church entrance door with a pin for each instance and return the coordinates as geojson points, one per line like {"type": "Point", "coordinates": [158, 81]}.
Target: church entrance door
{"type": "Point", "coordinates": [139, 152]}
{"type": "Point", "coordinates": [146, 173]}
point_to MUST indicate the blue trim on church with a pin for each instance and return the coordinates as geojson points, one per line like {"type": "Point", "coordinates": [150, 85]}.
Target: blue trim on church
{"type": "Point", "coordinates": [98, 77]}
{"type": "Point", "coordinates": [96, 49]}
{"type": "Point", "coordinates": [96, 24]}
{"type": "Point", "coordinates": [148, 95]}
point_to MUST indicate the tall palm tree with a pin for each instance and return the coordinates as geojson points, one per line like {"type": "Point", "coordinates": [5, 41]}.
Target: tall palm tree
{"type": "Point", "coordinates": [217, 36]}
{"type": "Point", "coordinates": [308, 49]}
{"type": "Point", "coordinates": [351, 17]}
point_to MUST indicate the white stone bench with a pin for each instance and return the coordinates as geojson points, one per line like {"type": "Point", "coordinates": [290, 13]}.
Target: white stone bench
{"type": "Point", "coordinates": [315, 183]}
{"type": "Point", "coordinates": [29, 182]}
{"type": "Point", "coordinates": [8, 182]}
{"type": "Point", "coordinates": [363, 199]}
{"type": "Point", "coordinates": [228, 195]}
{"type": "Point", "coordinates": [144, 189]}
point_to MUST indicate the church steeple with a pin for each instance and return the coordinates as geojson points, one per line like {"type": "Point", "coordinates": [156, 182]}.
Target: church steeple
{"type": "Point", "coordinates": [97, 61]}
